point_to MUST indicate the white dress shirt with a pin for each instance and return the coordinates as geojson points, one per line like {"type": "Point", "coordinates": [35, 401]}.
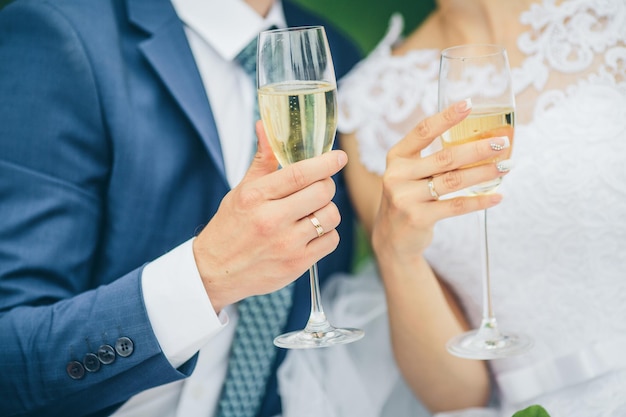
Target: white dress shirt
{"type": "Point", "coordinates": [180, 312]}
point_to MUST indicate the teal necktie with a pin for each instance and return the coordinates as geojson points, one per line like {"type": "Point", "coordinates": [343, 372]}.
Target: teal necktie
{"type": "Point", "coordinates": [261, 318]}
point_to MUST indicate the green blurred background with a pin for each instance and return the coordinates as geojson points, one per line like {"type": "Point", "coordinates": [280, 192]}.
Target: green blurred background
{"type": "Point", "coordinates": [366, 21]}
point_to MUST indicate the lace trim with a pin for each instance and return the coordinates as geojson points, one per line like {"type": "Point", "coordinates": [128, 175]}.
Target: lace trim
{"type": "Point", "coordinates": [385, 95]}
{"type": "Point", "coordinates": [567, 37]}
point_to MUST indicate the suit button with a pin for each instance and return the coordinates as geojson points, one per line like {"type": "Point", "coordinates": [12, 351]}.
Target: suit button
{"type": "Point", "coordinates": [106, 354]}
{"type": "Point", "coordinates": [124, 346]}
{"type": "Point", "coordinates": [91, 362]}
{"type": "Point", "coordinates": [75, 370]}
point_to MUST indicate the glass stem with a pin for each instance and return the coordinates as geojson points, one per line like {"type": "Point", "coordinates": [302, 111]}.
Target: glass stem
{"type": "Point", "coordinates": [488, 327]}
{"type": "Point", "coordinates": [317, 320]}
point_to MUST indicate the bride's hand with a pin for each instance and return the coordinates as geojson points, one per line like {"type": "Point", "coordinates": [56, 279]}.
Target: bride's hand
{"type": "Point", "coordinates": [412, 185]}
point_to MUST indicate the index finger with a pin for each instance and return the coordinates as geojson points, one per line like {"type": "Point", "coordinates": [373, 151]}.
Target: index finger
{"type": "Point", "coordinates": [301, 174]}
{"type": "Point", "coordinates": [430, 128]}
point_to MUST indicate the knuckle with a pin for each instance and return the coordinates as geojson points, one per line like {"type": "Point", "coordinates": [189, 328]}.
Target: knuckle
{"type": "Point", "coordinates": [458, 206]}
{"type": "Point", "coordinates": [452, 179]}
{"type": "Point", "coordinates": [390, 177]}
{"type": "Point", "coordinates": [386, 183]}
{"type": "Point", "coordinates": [323, 191]}
{"type": "Point", "coordinates": [249, 197]}
{"type": "Point", "coordinates": [395, 201]}
{"type": "Point", "coordinates": [334, 239]}
{"type": "Point", "coordinates": [298, 178]}
{"type": "Point", "coordinates": [329, 189]}
{"type": "Point", "coordinates": [424, 128]}
{"type": "Point", "coordinates": [333, 186]}
{"type": "Point", "coordinates": [449, 115]}
{"type": "Point", "coordinates": [334, 216]}
{"type": "Point", "coordinates": [391, 157]}
{"type": "Point", "coordinates": [444, 158]}
{"type": "Point", "coordinates": [330, 242]}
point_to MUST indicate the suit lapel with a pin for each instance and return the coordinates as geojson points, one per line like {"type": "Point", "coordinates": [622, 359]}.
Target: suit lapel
{"type": "Point", "coordinates": [169, 54]}
{"type": "Point", "coordinates": [295, 16]}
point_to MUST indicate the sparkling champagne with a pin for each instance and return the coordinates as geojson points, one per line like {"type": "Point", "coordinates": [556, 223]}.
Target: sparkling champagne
{"type": "Point", "coordinates": [482, 124]}
{"type": "Point", "coordinates": [300, 118]}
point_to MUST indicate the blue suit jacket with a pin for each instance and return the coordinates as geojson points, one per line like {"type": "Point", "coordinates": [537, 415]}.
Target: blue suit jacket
{"type": "Point", "coordinates": [109, 157]}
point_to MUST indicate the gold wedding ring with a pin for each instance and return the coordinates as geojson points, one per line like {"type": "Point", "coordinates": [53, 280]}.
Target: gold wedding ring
{"type": "Point", "coordinates": [431, 188]}
{"type": "Point", "coordinates": [318, 226]}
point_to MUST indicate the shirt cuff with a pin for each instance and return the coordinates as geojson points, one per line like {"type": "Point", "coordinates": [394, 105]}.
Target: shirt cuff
{"type": "Point", "coordinates": [180, 312]}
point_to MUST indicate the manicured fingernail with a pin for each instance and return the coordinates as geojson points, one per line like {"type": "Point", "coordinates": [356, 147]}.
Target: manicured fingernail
{"type": "Point", "coordinates": [504, 166]}
{"type": "Point", "coordinates": [499, 142]}
{"type": "Point", "coordinates": [463, 106]}
{"type": "Point", "coordinates": [342, 158]}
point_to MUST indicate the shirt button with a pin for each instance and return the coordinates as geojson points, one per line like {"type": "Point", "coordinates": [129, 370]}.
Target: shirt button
{"type": "Point", "coordinates": [124, 346]}
{"type": "Point", "coordinates": [75, 370]}
{"type": "Point", "coordinates": [106, 354]}
{"type": "Point", "coordinates": [91, 362]}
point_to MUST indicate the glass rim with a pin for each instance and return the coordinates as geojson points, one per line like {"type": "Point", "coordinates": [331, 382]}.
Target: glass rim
{"type": "Point", "coordinates": [294, 29]}
{"type": "Point", "coordinates": [486, 50]}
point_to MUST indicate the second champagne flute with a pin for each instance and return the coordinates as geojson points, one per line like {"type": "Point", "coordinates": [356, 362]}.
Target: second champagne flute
{"type": "Point", "coordinates": [297, 103]}
{"type": "Point", "coordinates": [481, 73]}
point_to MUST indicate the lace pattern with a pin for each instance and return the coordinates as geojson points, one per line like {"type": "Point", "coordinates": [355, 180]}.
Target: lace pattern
{"type": "Point", "coordinates": [384, 94]}
{"type": "Point", "coordinates": [383, 97]}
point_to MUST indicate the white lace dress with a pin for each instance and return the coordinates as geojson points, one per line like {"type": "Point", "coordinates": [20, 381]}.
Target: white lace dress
{"type": "Point", "coordinates": [558, 239]}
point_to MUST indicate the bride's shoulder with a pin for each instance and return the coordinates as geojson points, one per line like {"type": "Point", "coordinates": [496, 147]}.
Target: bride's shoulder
{"type": "Point", "coordinates": [385, 95]}
{"type": "Point", "coordinates": [387, 92]}
{"type": "Point", "coordinates": [393, 54]}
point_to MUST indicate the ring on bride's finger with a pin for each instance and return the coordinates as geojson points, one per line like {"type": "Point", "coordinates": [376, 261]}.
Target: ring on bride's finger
{"type": "Point", "coordinates": [318, 226]}
{"type": "Point", "coordinates": [431, 188]}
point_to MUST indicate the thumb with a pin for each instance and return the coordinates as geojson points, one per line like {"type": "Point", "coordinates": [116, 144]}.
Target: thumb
{"type": "Point", "coordinates": [264, 161]}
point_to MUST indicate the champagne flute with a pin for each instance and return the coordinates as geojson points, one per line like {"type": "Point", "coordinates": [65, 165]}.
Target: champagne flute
{"type": "Point", "coordinates": [297, 103]}
{"type": "Point", "coordinates": [482, 74]}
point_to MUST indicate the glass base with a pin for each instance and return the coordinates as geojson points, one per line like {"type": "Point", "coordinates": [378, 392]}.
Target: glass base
{"type": "Point", "coordinates": [304, 339]}
{"type": "Point", "coordinates": [495, 345]}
